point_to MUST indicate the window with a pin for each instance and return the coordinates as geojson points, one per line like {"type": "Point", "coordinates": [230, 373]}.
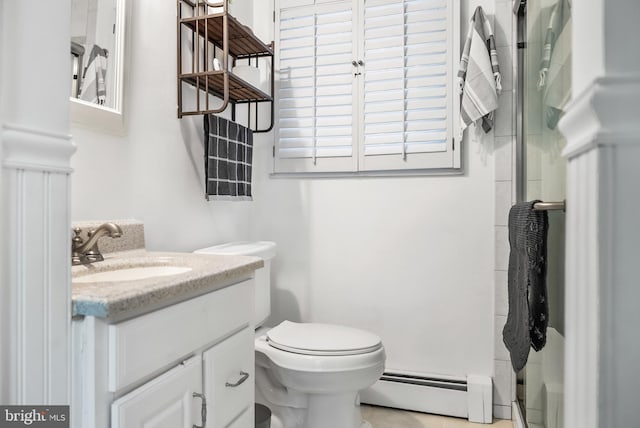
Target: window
{"type": "Point", "coordinates": [365, 85]}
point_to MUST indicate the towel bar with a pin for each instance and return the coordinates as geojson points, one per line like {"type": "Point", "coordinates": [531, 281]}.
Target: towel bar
{"type": "Point", "coordinates": [550, 206]}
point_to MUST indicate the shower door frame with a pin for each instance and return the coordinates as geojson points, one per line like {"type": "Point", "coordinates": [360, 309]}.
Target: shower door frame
{"type": "Point", "coordinates": [520, 10]}
{"type": "Point", "coordinates": [521, 174]}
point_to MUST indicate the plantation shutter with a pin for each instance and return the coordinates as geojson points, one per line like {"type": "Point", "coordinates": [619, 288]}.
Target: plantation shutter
{"type": "Point", "coordinates": [392, 111]}
{"type": "Point", "coordinates": [408, 85]}
{"type": "Point", "coordinates": [315, 113]}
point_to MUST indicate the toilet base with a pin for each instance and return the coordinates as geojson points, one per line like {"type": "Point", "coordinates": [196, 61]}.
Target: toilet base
{"type": "Point", "coordinates": [340, 410]}
{"type": "Point", "coordinates": [277, 423]}
{"type": "Point", "coordinates": [334, 410]}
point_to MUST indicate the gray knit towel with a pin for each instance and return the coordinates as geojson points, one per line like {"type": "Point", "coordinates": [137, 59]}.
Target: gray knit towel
{"type": "Point", "coordinates": [527, 319]}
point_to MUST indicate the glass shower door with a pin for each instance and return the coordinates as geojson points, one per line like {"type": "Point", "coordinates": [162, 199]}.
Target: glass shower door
{"type": "Point", "coordinates": [545, 91]}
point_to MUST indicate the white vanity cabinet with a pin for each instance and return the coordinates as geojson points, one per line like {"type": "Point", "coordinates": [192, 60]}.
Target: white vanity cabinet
{"type": "Point", "coordinates": [159, 368]}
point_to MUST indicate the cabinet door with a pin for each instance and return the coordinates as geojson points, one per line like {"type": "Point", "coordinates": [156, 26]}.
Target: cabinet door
{"type": "Point", "coordinates": [164, 402]}
{"type": "Point", "coordinates": [229, 379]}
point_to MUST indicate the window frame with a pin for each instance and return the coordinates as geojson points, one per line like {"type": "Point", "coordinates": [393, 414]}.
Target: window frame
{"type": "Point", "coordinates": [448, 162]}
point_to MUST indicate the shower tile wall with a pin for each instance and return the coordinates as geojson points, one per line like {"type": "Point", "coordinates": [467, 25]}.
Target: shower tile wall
{"type": "Point", "coordinates": [504, 161]}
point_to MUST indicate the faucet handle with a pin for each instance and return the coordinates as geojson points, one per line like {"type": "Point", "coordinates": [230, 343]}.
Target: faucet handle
{"type": "Point", "coordinates": [93, 253]}
{"type": "Point", "coordinates": [76, 242]}
{"type": "Point", "coordinates": [76, 236]}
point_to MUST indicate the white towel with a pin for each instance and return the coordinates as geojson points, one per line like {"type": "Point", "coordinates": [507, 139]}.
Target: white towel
{"type": "Point", "coordinates": [479, 74]}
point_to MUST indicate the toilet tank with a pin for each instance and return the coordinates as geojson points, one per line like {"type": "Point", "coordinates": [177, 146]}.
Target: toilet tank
{"type": "Point", "coordinates": [266, 250]}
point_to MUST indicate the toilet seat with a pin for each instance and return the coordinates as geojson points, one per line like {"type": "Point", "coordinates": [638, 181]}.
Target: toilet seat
{"type": "Point", "coordinates": [322, 339]}
{"type": "Point", "coordinates": [295, 361]}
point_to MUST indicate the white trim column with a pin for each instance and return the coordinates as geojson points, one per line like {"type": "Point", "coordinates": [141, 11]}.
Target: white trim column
{"type": "Point", "coordinates": [35, 152]}
{"type": "Point", "coordinates": [602, 128]}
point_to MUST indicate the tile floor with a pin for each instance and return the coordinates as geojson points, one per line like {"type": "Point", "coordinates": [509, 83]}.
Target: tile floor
{"type": "Point", "coordinates": [382, 417]}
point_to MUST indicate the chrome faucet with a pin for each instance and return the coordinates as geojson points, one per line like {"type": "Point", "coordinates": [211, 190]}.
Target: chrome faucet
{"type": "Point", "coordinates": [83, 253]}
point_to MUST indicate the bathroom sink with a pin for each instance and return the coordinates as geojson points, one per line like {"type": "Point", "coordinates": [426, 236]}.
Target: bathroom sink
{"type": "Point", "coordinates": [131, 274]}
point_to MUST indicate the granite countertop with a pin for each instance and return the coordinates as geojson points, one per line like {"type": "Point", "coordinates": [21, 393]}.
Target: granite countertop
{"type": "Point", "coordinates": [120, 300]}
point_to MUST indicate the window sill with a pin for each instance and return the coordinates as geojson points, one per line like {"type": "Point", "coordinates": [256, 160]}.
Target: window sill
{"type": "Point", "coordinates": [360, 174]}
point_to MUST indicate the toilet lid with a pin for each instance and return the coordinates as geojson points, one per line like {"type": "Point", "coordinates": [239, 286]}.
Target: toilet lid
{"type": "Point", "coordinates": [322, 339]}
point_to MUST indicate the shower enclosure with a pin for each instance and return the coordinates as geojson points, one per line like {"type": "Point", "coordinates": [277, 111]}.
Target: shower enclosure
{"type": "Point", "coordinates": [544, 88]}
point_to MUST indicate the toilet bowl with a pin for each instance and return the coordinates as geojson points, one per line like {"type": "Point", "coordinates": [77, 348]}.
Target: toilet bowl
{"type": "Point", "coordinates": [318, 369]}
{"type": "Point", "coordinates": [308, 374]}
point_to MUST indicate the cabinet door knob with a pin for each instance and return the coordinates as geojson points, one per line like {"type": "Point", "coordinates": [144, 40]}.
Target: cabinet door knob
{"type": "Point", "coordinates": [203, 410]}
{"type": "Point", "coordinates": [360, 62]}
{"type": "Point", "coordinates": [243, 376]}
{"type": "Point", "coordinates": [355, 64]}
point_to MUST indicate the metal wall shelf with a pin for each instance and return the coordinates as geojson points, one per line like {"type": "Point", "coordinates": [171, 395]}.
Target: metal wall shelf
{"type": "Point", "coordinates": [242, 42]}
{"type": "Point", "coordinates": [210, 32]}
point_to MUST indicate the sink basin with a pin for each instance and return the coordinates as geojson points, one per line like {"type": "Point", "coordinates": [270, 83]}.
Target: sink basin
{"type": "Point", "coordinates": [131, 274]}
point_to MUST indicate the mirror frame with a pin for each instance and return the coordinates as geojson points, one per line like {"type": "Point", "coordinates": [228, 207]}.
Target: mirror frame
{"type": "Point", "coordinates": [99, 118]}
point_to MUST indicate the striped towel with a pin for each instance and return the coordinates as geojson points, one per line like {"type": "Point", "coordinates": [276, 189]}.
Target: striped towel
{"type": "Point", "coordinates": [228, 159]}
{"type": "Point", "coordinates": [94, 89]}
{"type": "Point", "coordinates": [479, 74]}
{"type": "Point", "coordinates": [555, 67]}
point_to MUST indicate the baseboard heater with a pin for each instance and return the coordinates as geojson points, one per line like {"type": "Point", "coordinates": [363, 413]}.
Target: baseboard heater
{"type": "Point", "coordinates": [464, 397]}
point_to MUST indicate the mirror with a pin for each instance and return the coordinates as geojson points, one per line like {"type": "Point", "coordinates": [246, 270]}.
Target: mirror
{"type": "Point", "coordinates": [97, 64]}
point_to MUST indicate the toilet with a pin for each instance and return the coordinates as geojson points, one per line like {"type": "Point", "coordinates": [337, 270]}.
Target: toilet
{"type": "Point", "coordinates": [308, 374]}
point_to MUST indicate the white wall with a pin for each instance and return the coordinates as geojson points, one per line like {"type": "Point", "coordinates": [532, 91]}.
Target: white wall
{"type": "Point", "coordinates": [603, 150]}
{"type": "Point", "coordinates": [409, 258]}
{"type": "Point", "coordinates": [588, 55]}
{"type": "Point", "coordinates": [155, 173]}
{"type": "Point", "coordinates": [5, 335]}
{"type": "Point", "coordinates": [35, 263]}
{"type": "Point", "coordinates": [504, 379]}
